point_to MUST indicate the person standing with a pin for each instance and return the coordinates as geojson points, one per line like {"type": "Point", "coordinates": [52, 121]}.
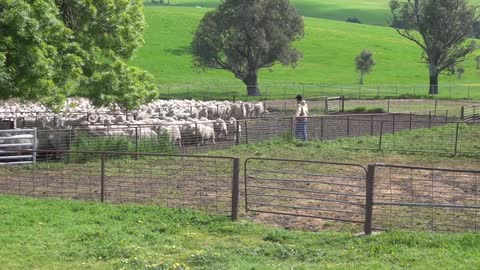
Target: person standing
{"type": "Point", "coordinates": [301, 119]}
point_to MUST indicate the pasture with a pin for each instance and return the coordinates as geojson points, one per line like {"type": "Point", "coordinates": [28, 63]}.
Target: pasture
{"type": "Point", "coordinates": [77, 235]}
{"type": "Point", "coordinates": [329, 48]}
{"type": "Point", "coordinates": [373, 12]}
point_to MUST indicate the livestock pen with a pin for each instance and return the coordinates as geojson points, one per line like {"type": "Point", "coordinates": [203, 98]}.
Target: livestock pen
{"type": "Point", "coordinates": [276, 191]}
{"type": "Point", "coordinates": [440, 133]}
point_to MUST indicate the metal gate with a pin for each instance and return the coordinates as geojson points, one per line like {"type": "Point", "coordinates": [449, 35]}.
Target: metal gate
{"type": "Point", "coordinates": [312, 189]}
{"type": "Point", "coordinates": [17, 146]}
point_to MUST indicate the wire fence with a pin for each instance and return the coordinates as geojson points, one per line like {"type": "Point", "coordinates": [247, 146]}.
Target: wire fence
{"type": "Point", "coordinates": [196, 182]}
{"type": "Point", "coordinates": [379, 197]}
{"type": "Point", "coordinates": [430, 199]}
{"type": "Point", "coordinates": [433, 132]}
{"type": "Point", "coordinates": [289, 91]}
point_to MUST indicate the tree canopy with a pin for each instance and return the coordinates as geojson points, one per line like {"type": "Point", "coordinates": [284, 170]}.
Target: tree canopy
{"type": "Point", "coordinates": [51, 49]}
{"type": "Point", "coordinates": [244, 36]}
{"type": "Point", "coordinates": [440, 27]}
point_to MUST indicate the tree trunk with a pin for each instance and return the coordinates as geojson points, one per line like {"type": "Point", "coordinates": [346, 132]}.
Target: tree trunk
{"type": "Point", "coordinates": [433, 80]}
{"type": "Point", "coordinates": [251, 81]}
{"type": "Point", "coordinates": [361, 78]}
{"type": "Point", "coordinates": [433, 84]}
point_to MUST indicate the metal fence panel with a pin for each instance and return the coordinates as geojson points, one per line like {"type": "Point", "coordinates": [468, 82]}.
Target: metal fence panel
{"type": "Point", "coordinates": [197, 182]}
{"type": "Point", "coordinates": [431, 199]}
{"type": "Point", "coordinates": [312, 189]}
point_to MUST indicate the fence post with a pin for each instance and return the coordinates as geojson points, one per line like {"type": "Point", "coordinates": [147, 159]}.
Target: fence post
{"type": "Point", "coordinates": [446, 116]}
{"type": "Point", "coordinates": [393, 124]}
{"type": "Point", "coordinates": [410, 125]}
{"type": "Point", "coordinates": [456, 138]}
{"type": "Point", "coordinates": [102, 179]}
{"type": "Point", "coordinates": [343, 103]}
{"type": "Point", "coordinates": [235, 188]}
{"type": "Point", "coordinates": [237, 132]}
{"type": "Point", "coordinates": [34, 146]}
{"type": "Point", "coordinates": [246, 132]}
{"type": "Point", "coordinates": [462, 113]}
{"type": "Point", "coordinates": [436, 104]}
{"type": "Point", "coordinates": [430, 119]}
{"type": "Point", "coordinates": [196, 135]}
{"type": "Point", "coordinates": [371, 125]}
{"type": "Point", "coordinates": [291, 128]}
{"type": "Point", "coordinates": [381, 136]}
{"type": "Point", "coordinates": [136, 142]}
{"type": "Point", "coordinates": [369, 200]}
{"type": "Point", "coordinates": [348, 126]}
{"type": "Point", "coordinates": [326, 105]}
{"type": "Point", "coordinates": [321, 127]}
{"type": "Point", "coordinates": [388, 106]}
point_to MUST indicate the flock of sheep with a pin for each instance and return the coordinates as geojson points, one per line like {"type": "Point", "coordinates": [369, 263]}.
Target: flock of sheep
{"type": "Point", "coordinates": [182, 121]}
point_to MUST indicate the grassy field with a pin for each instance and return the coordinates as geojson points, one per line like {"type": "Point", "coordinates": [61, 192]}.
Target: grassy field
{"type": "Point", "coordinates": [374, 12]}
{"type": "Point", "coordinates": [60, 234]}
{"type": "Point", "coordinates": [329, 48]}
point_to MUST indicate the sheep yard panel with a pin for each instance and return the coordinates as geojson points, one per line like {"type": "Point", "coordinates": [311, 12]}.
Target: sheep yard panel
{"type": "Point", "coordinates": [309, 189]}
{"type": "Point", "coordinates": [431, 199]}
{"type": "Point", "coordinates": [194, 182]}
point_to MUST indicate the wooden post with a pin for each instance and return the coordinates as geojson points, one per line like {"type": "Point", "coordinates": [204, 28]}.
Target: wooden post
{"type": "Point", "coordinates": [102, 179]}
{"type": "Point", "coordinates": [235, 188]}
{"type": "Point", "coordinates": [381, 136]}
{"type": "Point", "coordinates": [369, 200]}
{"type": "Point", "coordinates": [430, 119]}
{"type": "Point", "coordinates": [456, 139]}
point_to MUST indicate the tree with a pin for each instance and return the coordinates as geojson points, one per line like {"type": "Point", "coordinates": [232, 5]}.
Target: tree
{"type": "Point", "coordinates": [52, 49]}
{"type": "Point", "coordinates": [440, 27]}
{"type": "Point", "coordinates": [477, 59]}
{"type": "Point", "coordinates": [244, 36]}
{"type": "Point", "coordinates": [460, 71]}
{"type": "Point", "coordinates": [476, 30]}
{"type": "Point", "coordinates": [364, 63]}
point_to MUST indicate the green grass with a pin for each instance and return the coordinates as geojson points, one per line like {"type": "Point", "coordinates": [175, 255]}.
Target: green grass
{"type": "Point", "coordinates": [60, 234]}
{"type": "Point", "coordinates": [84, 143]}
{"type": "Point", "coordinates": [329, 48]}
{"type": "Point", "coordinates": [423, 147]}
{"type": "Point", "coordinates": [368, 11]}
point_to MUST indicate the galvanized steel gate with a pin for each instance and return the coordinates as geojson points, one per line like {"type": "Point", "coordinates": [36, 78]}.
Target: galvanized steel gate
{"type": "Point", "coordinates": [313, 189]}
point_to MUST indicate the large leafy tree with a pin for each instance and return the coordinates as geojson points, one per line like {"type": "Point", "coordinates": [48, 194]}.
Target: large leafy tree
{"type": "Point", "coordinates": [440, 27]}
{"type": "Point", "coordinates": [51, 49]}
{"type": "Point", "coordinates": [244, 36]}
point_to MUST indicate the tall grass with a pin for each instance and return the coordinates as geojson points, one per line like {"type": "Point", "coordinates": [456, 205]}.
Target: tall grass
{"type": "Point", "coordinates": [84, 143]}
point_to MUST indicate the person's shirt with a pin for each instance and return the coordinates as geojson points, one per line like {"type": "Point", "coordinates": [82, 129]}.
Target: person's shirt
{"type": "Point", "coordinates": [302, 109]}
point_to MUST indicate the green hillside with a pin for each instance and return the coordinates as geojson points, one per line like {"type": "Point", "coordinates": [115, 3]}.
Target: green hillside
{"type": "Point", "coordinates": [329, 48]}
{"type": "Point", "coordinates": [367, 11]}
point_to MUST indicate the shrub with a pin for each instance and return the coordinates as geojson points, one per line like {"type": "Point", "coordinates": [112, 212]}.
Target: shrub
{"type": "Point", "coordinates": [353, 20]}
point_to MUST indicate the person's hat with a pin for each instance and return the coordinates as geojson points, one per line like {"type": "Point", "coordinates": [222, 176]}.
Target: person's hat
{"type": "Point", "coordinates": [299, 98]}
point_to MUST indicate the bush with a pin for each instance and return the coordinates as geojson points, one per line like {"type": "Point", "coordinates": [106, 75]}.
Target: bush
{"type": "Point", "coordinates": [353, 20]}
{"type": "Point", "coordinates": [376, 110]}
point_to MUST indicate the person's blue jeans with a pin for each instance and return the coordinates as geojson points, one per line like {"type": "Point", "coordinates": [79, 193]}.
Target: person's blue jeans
{"type": "Point", "coordinates": [301, 130]}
